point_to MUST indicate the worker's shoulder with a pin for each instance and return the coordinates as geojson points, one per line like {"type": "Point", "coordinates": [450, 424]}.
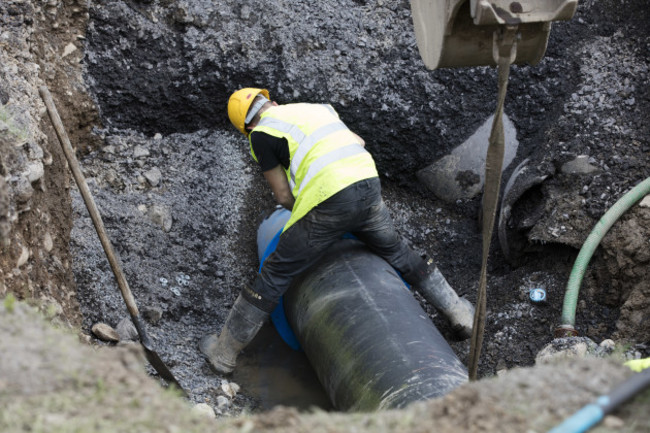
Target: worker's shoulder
{"type": "Point", "coordinates": [261, 139]}
{"type": "Point", "coordinates": [312, 105]}
{"type": "Point", "coordinates": [328, 108]}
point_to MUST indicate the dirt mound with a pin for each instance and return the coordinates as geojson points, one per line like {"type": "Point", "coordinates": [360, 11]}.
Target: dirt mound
{"type": "Point", "coordinates": [52, 383]}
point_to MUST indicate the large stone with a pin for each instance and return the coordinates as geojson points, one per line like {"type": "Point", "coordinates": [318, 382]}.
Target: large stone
{"type": "Point", "coordinates": [153, 176]}
{"type": "Point", "coordinates": [126, 330]}
{"type": "Point", "coordinates": [568, 347]}
{"type": "Point", "coordinates": [204, 409]}
{"type": "Point", "coordinates": [140, 152]}
{"type": "Point", "coordinates": [579, 165]}
{"type": "Point", "coordinates": [152, 314]}
{"type": "Point", "coordinates": [162, 216]}
{"type": "Point", "coordinates": [105, 332]}
{"type": "Point", "coordinates": [461, 174]}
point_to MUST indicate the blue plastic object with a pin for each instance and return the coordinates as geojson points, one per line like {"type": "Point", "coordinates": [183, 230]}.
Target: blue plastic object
{"type": "Point", "coordinates": [268, 236]}
{"type": "Point", "coordinates": [537, 294]}
{"type": "Point", "coordinates": [584, 419]}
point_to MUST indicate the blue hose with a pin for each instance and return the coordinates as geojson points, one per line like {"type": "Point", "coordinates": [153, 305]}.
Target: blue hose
{"type": "Point", "coordinates": [593, 413]}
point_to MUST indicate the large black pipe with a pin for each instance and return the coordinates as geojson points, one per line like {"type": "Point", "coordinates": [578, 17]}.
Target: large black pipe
{"type": "Point", "coordinates": [370, 342]}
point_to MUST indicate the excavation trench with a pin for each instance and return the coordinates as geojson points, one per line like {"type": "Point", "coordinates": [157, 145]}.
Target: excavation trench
{"type": "Point", "coordinates": [182, 200]}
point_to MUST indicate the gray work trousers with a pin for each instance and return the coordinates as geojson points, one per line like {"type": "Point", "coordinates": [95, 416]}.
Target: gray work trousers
{"type": "Point", "coordinates": [357, 209]}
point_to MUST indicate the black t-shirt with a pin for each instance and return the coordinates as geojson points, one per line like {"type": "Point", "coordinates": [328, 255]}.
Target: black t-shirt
{"type": "Point", "coordinates": [269, 150]}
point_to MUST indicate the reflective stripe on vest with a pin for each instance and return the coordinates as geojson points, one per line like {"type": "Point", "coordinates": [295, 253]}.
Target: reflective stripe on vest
{"type": "Point", "coordinates": [305, 142]}
{"type": "Point", "coordinates": [328, 158]}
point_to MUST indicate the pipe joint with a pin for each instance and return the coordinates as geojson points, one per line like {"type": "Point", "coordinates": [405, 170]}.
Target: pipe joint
{"type": "Point", "coordinates": [564, 331]}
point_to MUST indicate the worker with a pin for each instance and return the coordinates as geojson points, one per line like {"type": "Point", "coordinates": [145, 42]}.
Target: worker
{"type": "Point", "coordinates": [319, 169]}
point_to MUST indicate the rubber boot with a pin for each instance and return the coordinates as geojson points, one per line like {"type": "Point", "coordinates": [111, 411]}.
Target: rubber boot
{"type": "Point", "coordinates": [459, 311]}
{"type": "Point", "coordinates": [242, 324]}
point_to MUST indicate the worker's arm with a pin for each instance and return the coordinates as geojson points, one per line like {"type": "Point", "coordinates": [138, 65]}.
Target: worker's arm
{"type": "Point", "coordinates": [361, 142]}
{"type": "Point", "coordinates": [277, 180]}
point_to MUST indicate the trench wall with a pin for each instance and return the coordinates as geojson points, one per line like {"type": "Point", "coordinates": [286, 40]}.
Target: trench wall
{"type": "Point", "coordinates": [41, 43]}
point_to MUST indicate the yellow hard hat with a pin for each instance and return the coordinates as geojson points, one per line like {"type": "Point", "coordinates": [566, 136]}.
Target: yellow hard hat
{"type": "Point", "coordinates": [239, 103]}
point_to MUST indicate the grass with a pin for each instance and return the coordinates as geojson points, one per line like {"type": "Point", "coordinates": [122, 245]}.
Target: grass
{"type": "Point", "coordinates": [10, 302]}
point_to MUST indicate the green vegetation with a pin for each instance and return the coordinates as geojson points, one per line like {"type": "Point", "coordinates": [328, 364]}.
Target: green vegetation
{"type": "Point", "coordinates": [10, 302]}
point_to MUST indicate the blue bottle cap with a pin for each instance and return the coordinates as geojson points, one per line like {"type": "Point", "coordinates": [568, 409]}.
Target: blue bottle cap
{"type": "Point", "coordinates": [537, 294]}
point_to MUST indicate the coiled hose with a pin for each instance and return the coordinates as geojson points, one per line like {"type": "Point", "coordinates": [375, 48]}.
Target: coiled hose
{"type": "Point", "coordinates": [567, 327]}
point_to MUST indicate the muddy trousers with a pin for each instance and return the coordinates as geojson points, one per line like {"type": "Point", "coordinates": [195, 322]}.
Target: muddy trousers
{"type": "Point", "coordinates": [357, 209]}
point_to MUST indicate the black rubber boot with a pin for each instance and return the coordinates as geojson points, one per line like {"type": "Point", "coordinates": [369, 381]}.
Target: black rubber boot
{"type": "Point", "coordinates": [242, 324]}
{"type": "Point", "coordinates": [459, 311]}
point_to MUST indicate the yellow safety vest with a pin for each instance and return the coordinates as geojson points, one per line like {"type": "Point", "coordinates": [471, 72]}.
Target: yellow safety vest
{"type": "Point", "coordinates": [324, 155]}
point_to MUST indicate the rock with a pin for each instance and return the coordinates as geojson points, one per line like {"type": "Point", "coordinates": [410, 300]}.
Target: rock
{"type": "Point", "coordinates": [23, 189]}
{"type": "Point", "coordinates": [140, 152]}
{"type": "Point", "coordinates": [35, 171]}
{"type": "Point", "coordinates": [229, 388]}
{"type": "Point", "coordinates": [222, 402]}
{"type": "Point", "coordinates": [153, 176]}
{"type": "Point", "coordinates": [613, 422]}
{"type": "Point", "coordinates": [645, 202]}
{"type": "Point", "coordinates": [48, 243]}
{"type": "Point", "coordinates": [245, 12]}
{"type": "Point", "coordinates": [85, 338]}
{"type": "Point", "coordinates": [34, 151]}
{"type": "Point", "coordinates": [204, 409]}
{"type": "Point", "coordinates": [569, 347]}
{"type": "Point", "coordinates": [114, 179]}
{"type": "Point", "coordinates": [607, 344]}
{"type": "Point", "coordinates": [580, 165]}
{"type": "Point", "coordinates": [461, 174]}
{"type": "Point", "coordinates": [152, 314]}
{"type": "Point", "coordinates": [69, 49]}
{"type": "Point", "coordinates": [24, 256]}
{"type": "Point", "coordinates": [105, 332]}
{"type": "Point", "coordinates": [126, 330]}
{"type": "Point", "coordinates": [161, 215]}
{"type": "Point", "coordinates": [181, 14]}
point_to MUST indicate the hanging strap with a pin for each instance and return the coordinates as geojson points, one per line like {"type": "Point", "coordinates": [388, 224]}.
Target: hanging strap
{"type": "Point", "coordinates": [504, 51]}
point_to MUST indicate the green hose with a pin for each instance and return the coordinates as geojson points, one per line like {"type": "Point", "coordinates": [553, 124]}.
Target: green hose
{"type": "Point", "coordinates": [587, 250]}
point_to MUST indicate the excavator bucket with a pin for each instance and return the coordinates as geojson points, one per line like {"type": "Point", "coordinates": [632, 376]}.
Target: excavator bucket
{"type": "Point", "coordinates": [456, 33]}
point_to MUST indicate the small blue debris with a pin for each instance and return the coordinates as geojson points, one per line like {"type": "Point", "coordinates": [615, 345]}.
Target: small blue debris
{"type": "Point", "coordinates": [537, 294]}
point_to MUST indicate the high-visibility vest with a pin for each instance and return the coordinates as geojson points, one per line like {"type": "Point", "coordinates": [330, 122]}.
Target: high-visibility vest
{"type": "Point", "coordinates": [324, 155]}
